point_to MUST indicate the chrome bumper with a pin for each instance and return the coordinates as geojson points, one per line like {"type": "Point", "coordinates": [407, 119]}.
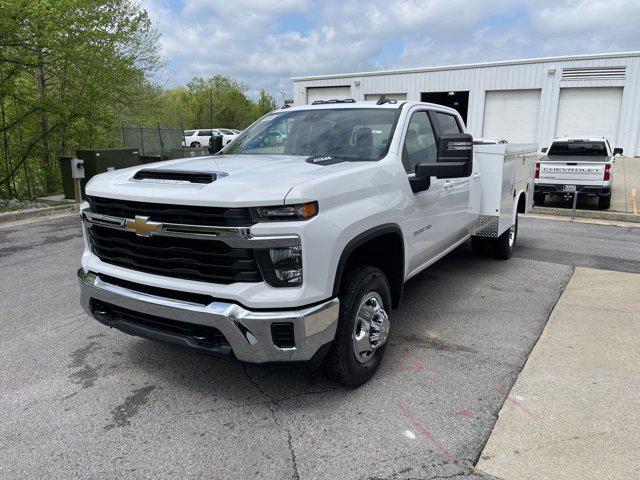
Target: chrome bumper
{"type": "Point", "coordinates": [248, 332]}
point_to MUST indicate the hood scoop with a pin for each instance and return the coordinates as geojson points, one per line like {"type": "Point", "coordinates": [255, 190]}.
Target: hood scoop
{"type": "Point", "coordinates": [176, 176]}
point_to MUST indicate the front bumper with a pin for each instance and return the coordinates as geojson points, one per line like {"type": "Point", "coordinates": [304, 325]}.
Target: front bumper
{"type": "Point", "coordinates": [247, 332]}
{"type": "Point", "coordinates": [583, 190]}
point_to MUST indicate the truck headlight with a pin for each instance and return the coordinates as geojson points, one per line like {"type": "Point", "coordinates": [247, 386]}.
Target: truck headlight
{"type": "Point", "coordinates": [282, 266]}
{"type": "Point", "coordinates": [302, 211]}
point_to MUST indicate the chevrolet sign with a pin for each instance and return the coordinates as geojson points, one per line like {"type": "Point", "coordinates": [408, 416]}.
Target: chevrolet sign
{"type": "Point", "coordinates": [142, 226]}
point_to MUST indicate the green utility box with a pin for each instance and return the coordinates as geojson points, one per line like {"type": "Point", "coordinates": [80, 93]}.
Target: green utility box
{"type": "Point", "coordinates": [104, 160]}
{"type": "Point", "coordinates": [67, 179]}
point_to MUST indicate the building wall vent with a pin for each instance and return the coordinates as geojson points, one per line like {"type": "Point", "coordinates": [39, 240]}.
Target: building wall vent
{"type": "Point", "coordinates": [587, 73]}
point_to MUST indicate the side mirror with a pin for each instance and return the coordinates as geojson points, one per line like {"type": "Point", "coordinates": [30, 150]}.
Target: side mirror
{"type": "Point", "coordinates": [455, 158]}
{"type": "Point", "coordinates": [617, 151]}
{"type": "Point", "coordinates": [544, 149]}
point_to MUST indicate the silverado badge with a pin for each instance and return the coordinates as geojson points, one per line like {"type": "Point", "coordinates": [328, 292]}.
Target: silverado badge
{"type": "Point", "coordinates": [142, 226]}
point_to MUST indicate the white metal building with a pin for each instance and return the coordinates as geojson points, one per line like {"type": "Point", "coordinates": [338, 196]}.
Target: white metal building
{"type": "Point", "coordinates": [531, 100]}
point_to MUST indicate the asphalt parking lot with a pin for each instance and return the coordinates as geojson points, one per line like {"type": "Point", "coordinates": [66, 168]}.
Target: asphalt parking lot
{"type": "Point", "coordinates": [82, 401]}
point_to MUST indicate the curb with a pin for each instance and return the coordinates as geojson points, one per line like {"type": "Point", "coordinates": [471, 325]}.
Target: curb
{"type": "Point", "coordinates": [597, 214]}
{"type": "Point", "coordinates": [37, 213]}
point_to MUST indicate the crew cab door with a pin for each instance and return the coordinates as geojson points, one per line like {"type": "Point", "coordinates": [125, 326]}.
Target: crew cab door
{"type": "Point", "coordinates": [425, 222]}
{"type": "Point", "coordinates": [456, 198]}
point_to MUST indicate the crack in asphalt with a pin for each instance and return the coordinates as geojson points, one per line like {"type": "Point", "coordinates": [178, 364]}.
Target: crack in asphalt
{"type": "Point", "coordinates": [273, 406]}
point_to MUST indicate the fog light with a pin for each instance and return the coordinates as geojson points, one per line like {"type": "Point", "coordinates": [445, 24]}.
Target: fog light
{"type": "Point", "coordinates": [282, 266]}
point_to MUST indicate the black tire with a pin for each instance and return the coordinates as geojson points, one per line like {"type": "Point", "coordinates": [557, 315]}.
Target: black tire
{"type": "Point", "coordinates": [538, 199]}
{"type": "Point", "coordinates": [604, 202]}
{"type": "Point", "coordinates": [341, 363]}
{"type": "Point", "coordinates": [195, 144]}
{"type": "Point", "coordinates": [502, 247]}
{"type": "Point", "coordinates": [480, 245]}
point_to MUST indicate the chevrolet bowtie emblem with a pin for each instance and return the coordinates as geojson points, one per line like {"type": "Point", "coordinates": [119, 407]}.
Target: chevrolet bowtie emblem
{"type": "Point", "coordinates": [142, 226]}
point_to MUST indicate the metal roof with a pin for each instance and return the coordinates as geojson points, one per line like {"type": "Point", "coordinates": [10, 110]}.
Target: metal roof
{"type": "Point", "coordinates": [472, 65]}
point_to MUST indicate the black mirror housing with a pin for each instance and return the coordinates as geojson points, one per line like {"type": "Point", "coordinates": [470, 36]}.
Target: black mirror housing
{"type": "Point", "coordinates": [544, 149]}
{"type": "Point", "coordinates": [442, 170]}
{"type": "Point", "coordinates": [455, 158]}
{"type": "Point", "coordinates": [419, 184]}
{"type": "Point", "coordinates": [617, 151]}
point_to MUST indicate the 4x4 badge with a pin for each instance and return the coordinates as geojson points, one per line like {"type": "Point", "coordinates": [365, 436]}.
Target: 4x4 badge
{"type": "Point", "coordinates": [142, 226]}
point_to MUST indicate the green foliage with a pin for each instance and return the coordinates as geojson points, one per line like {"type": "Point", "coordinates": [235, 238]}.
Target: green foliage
{"type": "Point", "coordinates": [266, 103]}
{"type": "Point", "coordinates": [73, 71]}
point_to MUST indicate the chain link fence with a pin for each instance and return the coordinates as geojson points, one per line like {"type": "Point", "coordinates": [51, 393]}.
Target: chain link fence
{"type": "Point", "coordinates": [152, 141]}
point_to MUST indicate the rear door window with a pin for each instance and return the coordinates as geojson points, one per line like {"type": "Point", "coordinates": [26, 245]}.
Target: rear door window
{"type": "Point", "coordinates": [188, 133]}
{"type": "Point", "coordinates": [204, 133]}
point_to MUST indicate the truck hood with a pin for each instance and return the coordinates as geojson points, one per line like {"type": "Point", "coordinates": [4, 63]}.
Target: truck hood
{"type": "Point", "coordinates": [243, 180]}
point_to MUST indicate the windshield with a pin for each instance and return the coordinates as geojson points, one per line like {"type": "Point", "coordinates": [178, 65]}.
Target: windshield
{"type": "Point", "coordinates": [578, 148]}
{"type": "Point", "coordinates": [353, 134]}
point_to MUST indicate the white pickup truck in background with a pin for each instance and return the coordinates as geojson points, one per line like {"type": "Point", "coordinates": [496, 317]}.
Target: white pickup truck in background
{"type": "Point", "coordinates": [576, 164]}
{"type": "Point", "coordinates": [297, 249]}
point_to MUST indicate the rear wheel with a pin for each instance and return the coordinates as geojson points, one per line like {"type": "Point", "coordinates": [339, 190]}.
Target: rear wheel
{"type": "Point", "coordinates": [538, 199]}
{"type": "Point", "coordinates": [503, 246]}
{"type": "Point", "coordinates": [363, 327]}
{"type": "Point", "coordinates": [195, 144]}
{"type": "Point", "coordinates": [604, 202]}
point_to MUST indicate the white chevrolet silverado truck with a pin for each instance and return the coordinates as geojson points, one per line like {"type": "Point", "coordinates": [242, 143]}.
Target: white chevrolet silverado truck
{"type": "Point", "coordinates": [297, 250]}
{"type": "Point", "coordinates": [576, 164]}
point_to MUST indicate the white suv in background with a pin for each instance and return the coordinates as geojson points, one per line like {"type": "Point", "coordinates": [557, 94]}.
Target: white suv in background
{"type": "Point", "coordinates": [200, 138]}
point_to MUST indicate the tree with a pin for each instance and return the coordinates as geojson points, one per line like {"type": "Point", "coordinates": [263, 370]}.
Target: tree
{"type": "Point", "coordinates": [73, 71]}
{"type": "Point", "coordinates": [72, 68]}
{"type": "Point", "coordinates": [266, 103]}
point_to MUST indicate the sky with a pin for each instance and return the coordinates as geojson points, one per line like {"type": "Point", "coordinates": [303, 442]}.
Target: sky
{"type": "Point", "coordinates": [266, 42]}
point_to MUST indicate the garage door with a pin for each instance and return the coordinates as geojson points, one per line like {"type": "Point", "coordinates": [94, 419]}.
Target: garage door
{"type": "Point", "coordinates": [589, 111]}
{"type": "Point", "coordinates": [327, 93]}
{"type": "Point", "coordinates": [400, 97]}
{"type": "Point", "coordinates": [512, 115]}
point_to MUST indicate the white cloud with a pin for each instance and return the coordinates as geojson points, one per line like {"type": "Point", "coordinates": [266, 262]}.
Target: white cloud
{"type": "Point", "coordinates": [246, 38]}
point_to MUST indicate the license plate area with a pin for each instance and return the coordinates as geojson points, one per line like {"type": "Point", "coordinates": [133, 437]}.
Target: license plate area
{"type": "Point", "coordinates": [568, 188]}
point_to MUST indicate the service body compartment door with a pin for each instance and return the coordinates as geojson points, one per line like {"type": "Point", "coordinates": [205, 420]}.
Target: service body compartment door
{"type": "Point", "coordinates": [505, 170]}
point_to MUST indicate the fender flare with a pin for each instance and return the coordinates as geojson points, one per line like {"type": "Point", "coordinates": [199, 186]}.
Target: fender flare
{"type": "Point", "coordinates": [360, 240]}
{"type": "Point", "coordinates": [516, 200]}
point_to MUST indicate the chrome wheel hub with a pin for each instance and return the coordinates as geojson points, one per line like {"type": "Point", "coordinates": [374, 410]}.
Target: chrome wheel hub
{"type": "Point", "coordinates": [371, 327]}
{"type": "Point", "coordinates": [512, 235]}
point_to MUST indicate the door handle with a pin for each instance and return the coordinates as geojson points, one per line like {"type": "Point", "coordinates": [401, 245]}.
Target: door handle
{"type": "Point", "coordinates": [475, 176]}
{"type": "Point", "coordinates": [448, 184]}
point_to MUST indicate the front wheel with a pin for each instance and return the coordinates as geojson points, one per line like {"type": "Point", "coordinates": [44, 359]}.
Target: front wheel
{"type": "Point", "coordinates": [363, 327]}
